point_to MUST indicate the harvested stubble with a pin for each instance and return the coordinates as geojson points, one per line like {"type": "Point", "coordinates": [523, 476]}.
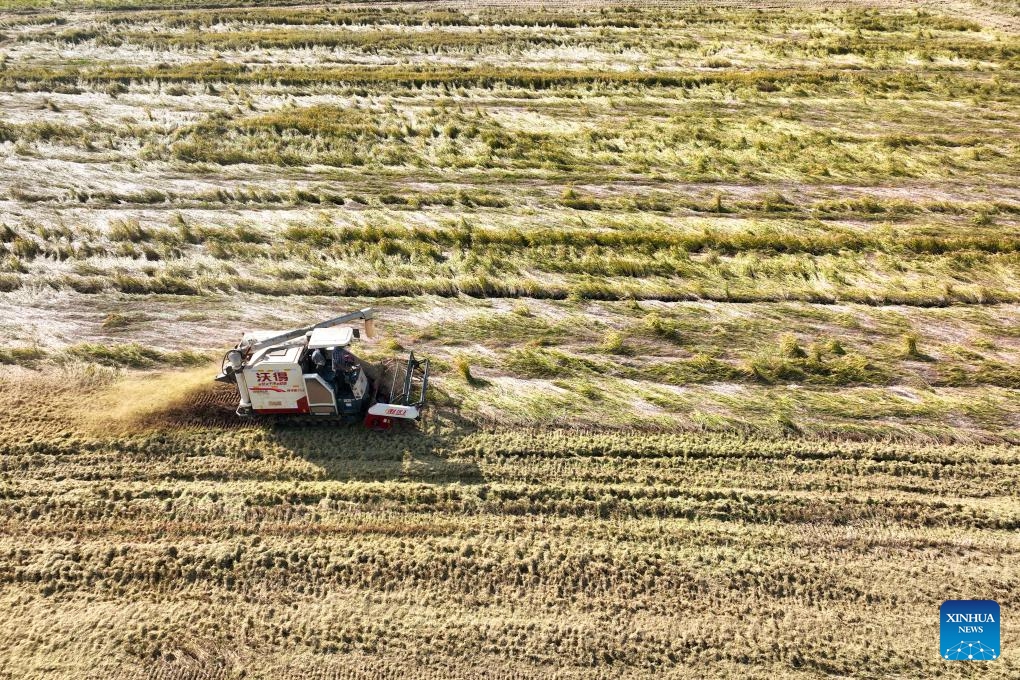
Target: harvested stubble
{"type": "Point", "coordinates": [199, 550]}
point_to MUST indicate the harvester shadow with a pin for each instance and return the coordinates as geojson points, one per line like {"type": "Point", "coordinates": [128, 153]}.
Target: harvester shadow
{"type": "Point", "coordinates": [408, 452]}
{"type": "Point", "coordinates": [353, 453]}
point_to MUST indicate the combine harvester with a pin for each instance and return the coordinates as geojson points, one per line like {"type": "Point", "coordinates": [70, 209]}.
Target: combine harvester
{"type": "Point", "coordinates": [309, 375]}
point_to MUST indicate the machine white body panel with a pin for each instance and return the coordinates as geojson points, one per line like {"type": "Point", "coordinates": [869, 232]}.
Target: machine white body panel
{"type": "Point", "coordinates": [393, 411]}
{"type": "Point", "coordinates": [275, 381]}
{"type": "Point", "coordinates": [337, 336]}
{"type": "Point", "coordinates": [321, 399]}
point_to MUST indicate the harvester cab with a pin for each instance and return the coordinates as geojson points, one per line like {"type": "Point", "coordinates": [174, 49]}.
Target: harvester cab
{"type": "Point", "coordinates": [310, 374]}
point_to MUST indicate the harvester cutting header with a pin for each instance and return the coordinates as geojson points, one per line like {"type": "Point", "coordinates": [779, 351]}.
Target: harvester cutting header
{"type": "Point", "coordinates": [310, 372]}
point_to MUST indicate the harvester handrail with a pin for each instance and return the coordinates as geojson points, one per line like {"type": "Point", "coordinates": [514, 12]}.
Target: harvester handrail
{"type": "Point", "coordinates": [366, 314]}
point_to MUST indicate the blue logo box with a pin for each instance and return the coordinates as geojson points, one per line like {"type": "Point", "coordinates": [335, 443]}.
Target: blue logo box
{"type": "Point", "coordinates": [969, 630]}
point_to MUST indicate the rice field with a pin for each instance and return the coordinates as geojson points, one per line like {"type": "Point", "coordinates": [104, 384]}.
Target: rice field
{"type": "Point", "coordinates": [722, 301]}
